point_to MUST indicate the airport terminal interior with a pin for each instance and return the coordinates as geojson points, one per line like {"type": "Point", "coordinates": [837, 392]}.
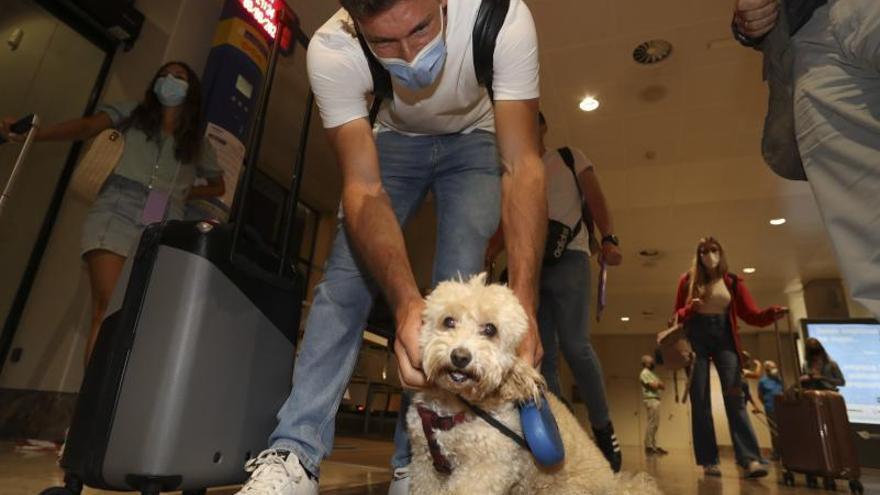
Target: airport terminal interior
{"type": "Point", "coordinates": [201, 309]}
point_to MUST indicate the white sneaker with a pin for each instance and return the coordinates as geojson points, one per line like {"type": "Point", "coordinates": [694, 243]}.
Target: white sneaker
{"type": "Point", "coordinates": [399, 482]}
{"type": "Point", "coordinates": [277, 472]}
{"type": "Point", "coordinates": [756, 470]}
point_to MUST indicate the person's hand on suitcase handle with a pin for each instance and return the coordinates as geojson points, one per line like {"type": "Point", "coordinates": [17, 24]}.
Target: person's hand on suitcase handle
{"type": "Point", "coordinates": [779, 312]}
{"type": "Point", "coordinates": [15, 130]}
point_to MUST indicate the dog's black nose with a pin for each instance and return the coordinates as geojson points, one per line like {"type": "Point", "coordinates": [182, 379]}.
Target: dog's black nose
{"type": "Point", "coordinates": [460, 357]}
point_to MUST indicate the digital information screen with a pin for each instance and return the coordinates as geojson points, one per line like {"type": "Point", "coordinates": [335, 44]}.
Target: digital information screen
{"type": "Point", "coordinates": [855, 345]}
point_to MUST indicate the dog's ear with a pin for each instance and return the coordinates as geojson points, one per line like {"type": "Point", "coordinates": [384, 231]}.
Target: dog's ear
{"type": "Point", "coordinates": [522, 383]}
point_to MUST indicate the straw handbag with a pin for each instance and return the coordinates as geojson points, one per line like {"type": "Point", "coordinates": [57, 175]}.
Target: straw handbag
{"type": "Point", "coordinates": [97, 164]}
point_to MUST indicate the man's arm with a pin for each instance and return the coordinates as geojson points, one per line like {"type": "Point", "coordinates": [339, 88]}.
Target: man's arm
{"type": "Point", "coordinates": [378, 240]}
{"type": "Point", "coordinates": [595, 199]}
{"type": "Point", "coordinates": [523, 208]}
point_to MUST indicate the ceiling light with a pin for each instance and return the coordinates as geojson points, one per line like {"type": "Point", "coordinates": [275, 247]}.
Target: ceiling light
{"type": "Point", "coordinates": [749, 270]}
{"type": "Point", "coordinates": [588, 104]}
{"type": "Point", "coordinates": [777, 221]}
{"type": "Point", "coordinates": [624, 318]}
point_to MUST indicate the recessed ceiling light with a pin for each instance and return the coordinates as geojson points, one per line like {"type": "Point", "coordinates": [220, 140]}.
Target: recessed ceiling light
{"type": "Point", "coordinates": [749, 270]}
{"type": "Point", "coordinates": [777, 221]}
{"type": "Point", "coordinates": [588, 104]}
{"type": "Point", "coordinates": [624, 318]}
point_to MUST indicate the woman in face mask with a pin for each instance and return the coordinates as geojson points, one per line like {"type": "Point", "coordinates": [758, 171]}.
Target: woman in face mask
{"type": "Point", "coordinates": [164, 153]}
{"type": "Point", "coordinates": [820, 371]}
{"type": "Point", "coordinates": [708, 302]}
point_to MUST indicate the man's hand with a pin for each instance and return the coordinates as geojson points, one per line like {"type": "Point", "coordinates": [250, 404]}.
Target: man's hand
{"type": "Point", "coordinates": [406, 345]}
{"type": "Point", "coordinates": [610, 254]}
{"type": "Point", "coordinates": [530, 349]}
{"type": "Point", "coordinates": [6, 130]}
{"type": "Point", "coordinates": [755, 18]}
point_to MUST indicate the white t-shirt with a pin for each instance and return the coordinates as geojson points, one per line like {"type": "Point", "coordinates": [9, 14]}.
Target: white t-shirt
{"type": "Point", "coordinates": [563, 200]}
{"type": "Point", "coordinates": [455, 103]}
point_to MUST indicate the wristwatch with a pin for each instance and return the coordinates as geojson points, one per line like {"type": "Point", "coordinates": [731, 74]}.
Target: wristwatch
{"type": "Point", "coordinates": [612, 239]}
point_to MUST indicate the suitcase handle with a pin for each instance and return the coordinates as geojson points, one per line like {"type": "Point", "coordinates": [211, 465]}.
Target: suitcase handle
{"type": "Point", "coordinates": [31, 124]}
{"type": "Point", "coordinates": [797, 357]}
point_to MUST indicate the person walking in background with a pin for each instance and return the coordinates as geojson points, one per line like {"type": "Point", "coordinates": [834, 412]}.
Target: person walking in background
{"type": "Point", "coordinates": [708, 301]}
{"type": "Point", "coordinates": [652, 385]}
{"type": "Point", "coordinates": [565, 285]}
{"type": "Point", "coordinates": [770, 386]}
{"type": "Point", "coordinates": [164, 152]}
{"type": "Point", "coordinates": [752, 370]}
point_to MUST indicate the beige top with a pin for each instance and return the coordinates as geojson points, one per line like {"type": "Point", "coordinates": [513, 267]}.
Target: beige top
{"type": "Point", "coordinates": [716, 300]}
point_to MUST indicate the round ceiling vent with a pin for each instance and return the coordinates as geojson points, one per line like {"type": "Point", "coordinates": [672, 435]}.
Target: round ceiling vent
{"type": "Point", "coordinates": [652, 51]}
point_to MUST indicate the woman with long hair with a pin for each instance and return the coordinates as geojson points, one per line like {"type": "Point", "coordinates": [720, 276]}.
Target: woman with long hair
{"type": "Point", "coordinates": [164, 152]}
{"type": "Point", "coordinates": [708, 302]}
{"type": "Point", "coordinates": [820, 371]}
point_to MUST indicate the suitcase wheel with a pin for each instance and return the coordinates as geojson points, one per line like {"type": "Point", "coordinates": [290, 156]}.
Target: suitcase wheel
{"type": "Point", "coordinates": [788, 478]}
{"type": "Point", "coordinates": [855, 486]}
{"type": "Point", "coordinates": [72, 486]}
{"type": "Point", "coordinates": [812, 481]}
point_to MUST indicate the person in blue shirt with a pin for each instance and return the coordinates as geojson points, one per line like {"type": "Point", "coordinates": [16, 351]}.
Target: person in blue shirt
{"type": "Point", "coordinates": [769, 386]}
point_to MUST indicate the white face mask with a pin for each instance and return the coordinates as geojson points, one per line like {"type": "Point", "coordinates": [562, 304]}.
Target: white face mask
{"type": "Point", "coordinates": [711, 260]}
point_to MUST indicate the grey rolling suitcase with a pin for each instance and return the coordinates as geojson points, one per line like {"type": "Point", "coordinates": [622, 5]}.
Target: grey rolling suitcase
{"type": "Point", "coordinates": [192, 363]}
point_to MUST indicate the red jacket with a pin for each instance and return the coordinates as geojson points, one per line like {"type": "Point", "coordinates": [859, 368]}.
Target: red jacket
{"type": "Point", "coordinates": [741, 304]}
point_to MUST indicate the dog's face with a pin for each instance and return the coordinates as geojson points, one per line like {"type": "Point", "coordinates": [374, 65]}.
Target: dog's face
{"type": "Point", "coordinates": [470, 333]}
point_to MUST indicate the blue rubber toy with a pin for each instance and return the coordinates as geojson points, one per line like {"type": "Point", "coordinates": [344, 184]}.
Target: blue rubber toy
{"type": "Point", "coordinates": [542, 433]}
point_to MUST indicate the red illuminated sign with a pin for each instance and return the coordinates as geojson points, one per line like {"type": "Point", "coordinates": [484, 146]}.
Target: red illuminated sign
{"type": "Point", "coordinates": [263, 11]}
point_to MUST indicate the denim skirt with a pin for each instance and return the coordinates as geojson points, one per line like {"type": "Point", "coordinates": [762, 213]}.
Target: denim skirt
{"type": "Point", "coordinates": [114, 221]}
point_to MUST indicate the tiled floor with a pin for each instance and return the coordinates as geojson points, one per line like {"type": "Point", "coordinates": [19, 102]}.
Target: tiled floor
{"type": "Point", "coordinates": [358, 467]}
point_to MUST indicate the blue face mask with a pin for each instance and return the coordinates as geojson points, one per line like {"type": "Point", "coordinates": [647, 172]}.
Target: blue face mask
{"type": "Point", "coordinates": [424, 68]}
{"type": "Point", "coordinates": [170, 90]}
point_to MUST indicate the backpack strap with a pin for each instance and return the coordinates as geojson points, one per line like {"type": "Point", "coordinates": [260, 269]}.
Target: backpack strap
{"type": "Point", "coordinates": [381, 78]}
{"type": "Point", "coordinates": [587, 217]}
{"type": "Point", "coordinates": [490, 19]}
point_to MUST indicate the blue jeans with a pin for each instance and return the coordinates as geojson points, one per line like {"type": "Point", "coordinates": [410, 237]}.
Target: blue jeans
{"type": "Point", "coordinates": [463, 172]}
{"type": "Point", "coordinates": [564, 322]}
{"type": "Point", "coordinates": [711, 338]}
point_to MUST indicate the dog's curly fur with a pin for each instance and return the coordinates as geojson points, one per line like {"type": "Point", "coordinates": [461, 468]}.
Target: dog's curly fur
{"type": "Point", "coordinates": [460, 316]}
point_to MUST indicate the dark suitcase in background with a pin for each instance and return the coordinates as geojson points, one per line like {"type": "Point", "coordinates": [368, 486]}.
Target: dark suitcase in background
{"type": "Point", "coordinates": [814, 434]}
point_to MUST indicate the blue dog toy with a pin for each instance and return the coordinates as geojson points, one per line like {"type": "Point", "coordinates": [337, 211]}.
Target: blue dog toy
{"type": "Point", "coordinates": [542, 433]}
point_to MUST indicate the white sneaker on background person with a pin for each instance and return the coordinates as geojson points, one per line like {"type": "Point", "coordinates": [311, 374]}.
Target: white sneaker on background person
{"type": "Point", "coordinates": [399, 482]}
{"type": "Point", "coordinates": [278, 472]}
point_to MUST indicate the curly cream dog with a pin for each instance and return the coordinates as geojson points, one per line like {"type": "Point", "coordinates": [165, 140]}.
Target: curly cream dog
{"type": "Point", "coordinates": [469, 337]}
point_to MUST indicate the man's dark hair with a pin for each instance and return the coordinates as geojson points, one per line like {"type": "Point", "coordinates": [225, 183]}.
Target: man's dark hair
{"type": "Point", "coordinates": [541, 119]}
{"type": "Point", "coordinates": [359, 9]}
